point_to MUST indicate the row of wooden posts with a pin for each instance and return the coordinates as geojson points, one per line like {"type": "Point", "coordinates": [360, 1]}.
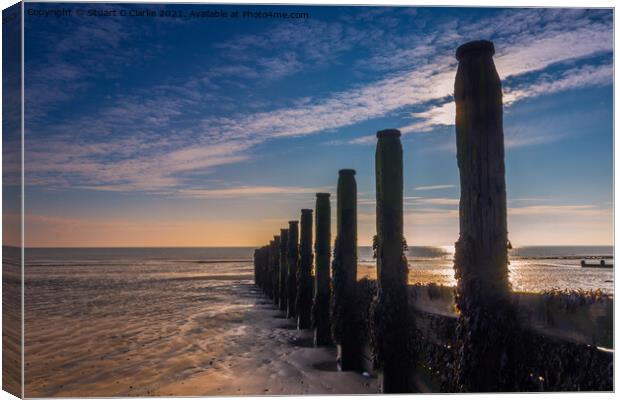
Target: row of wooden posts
{"type": "Point", "coordinates": [325, 302]}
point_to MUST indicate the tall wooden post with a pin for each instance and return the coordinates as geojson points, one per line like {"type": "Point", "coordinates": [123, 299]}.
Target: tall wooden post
{"type": "Point", "coordinates": [344, 299]}
{"type": "Point", "coordinates": [293, 258]}
{"type": "Point", "coordinates": [275, 266]}
{"type": "Point", "coordinates": [391, 312]}
{"type": "Point", "coordinates": [320, 306]}
{"type": "Point", "coordinates": [304, 272]}
{"type": "Point", "coordinates": [487, 323]}
{"type": "Point", "coordinates": [283, 268]}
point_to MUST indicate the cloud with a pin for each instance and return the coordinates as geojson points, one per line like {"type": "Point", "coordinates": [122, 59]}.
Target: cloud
{"type": "Point", "coordinates": [156, 138]}
{"type": "Point", "coordinates": [439, 201]}
{"type": "Point", "coordinates": [434, 187]}
{"type": "Point", "coordinates": [244, 191]}
{"type": "Point", "coordinates": [550, 210]}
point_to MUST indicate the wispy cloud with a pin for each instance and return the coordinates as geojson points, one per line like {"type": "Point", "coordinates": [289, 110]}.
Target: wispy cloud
{"type": "Point", "coordinates": [156, 139]}
{"type": "Point", "coordinates": [248, 191]}
{"type": "Point", "coordinates": [550, 210]}
{"type": "Point", "coordinates": [434, 187]}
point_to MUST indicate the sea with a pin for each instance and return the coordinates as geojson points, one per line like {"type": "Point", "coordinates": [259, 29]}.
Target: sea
{"type": "Point", "coordinates": [531, 269]}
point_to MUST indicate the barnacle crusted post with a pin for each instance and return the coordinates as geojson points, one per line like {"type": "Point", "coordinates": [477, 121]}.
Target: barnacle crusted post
{"type": "Point", "coordinates": [487, 323]}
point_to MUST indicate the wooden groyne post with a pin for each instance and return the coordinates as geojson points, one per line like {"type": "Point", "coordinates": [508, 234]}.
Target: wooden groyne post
{"type": "Point", "coordinates": [293, 258]}
{"type": "Point", "coordinates": [260, 265]}
{"type": "Point", "coordinates": [320, 306]}
{"type": "Point", "coordinates": [391, 311]}
{"type": "Point", "coordinates": [304, 272]}
{"type": "Point", "coordinates": [282, 273]}
{"type": "Point", "coordinates": [344, 302]}
{"type": "Point", "coordinates": [487, 325]}
{"type": "Point", "coordinates": [269, 269]}
{"type": "Point", "coordinates": [275, 265]}
{"type": "Point", "coordinates": [256, 268]}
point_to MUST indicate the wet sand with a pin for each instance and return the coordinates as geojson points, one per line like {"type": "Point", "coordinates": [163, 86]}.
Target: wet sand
{"type": "Point", "coordinates": [143, 331]}
{"type": "Point", "coordinates": [11, 322]}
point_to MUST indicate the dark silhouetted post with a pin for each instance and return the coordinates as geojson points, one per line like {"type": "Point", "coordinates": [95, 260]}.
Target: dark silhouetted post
{"type": "Point", "coordinates": [344, 299]}
{"type": "Point", "coordinates": [304, 272]}
{"type": "Point", "coordinates": [275, 263]}
{"type": "Point", "coordinates": [257, 267]}
{"type": "Point", "coordinates": [320, 306]}
{"type": "Point", "coordinates": [283, 268]}
{"type": "Point", "coordinates": [293, 258]}
{"type": "Point", "coordinates": [269, 269]}
{"type": "Point", "coordinates": [391, 312]}
{"type": "Point", "coordinates": [265, 268]}
{"type": "Point", "coordinates": [487, 324]}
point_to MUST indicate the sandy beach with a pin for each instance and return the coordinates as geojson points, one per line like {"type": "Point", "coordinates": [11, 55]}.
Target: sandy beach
{"type": "Point", "coordinates": [141, 322]}
{"type": "Point", "coordinates": [148, 329]}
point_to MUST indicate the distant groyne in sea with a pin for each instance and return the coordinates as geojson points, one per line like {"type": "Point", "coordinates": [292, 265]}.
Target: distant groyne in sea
{"type": "Point", "coordinates": [478, 337]}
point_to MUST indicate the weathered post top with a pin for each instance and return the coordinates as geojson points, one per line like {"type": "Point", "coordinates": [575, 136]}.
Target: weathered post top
{"type": "Point", "coordinates": [346, 172]}
{"type": "Point", "coordinates": [322, 223]}
{"type": "Point", "coordinates": [388, 133]}
{"type": "Point", "coordinates": [293, 238]}
{"type": "Point", "coordinates": [305, 240]}
{"type": "Point", "coordinates": [477, 46]}
{"type": "Point", "coordinates": [283, 236]}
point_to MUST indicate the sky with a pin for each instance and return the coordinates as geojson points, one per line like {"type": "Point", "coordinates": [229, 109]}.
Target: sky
{"type": "Point", "coordinates": [163, 131]}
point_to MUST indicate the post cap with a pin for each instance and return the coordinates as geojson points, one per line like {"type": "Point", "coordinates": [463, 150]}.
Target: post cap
{"type": "Point", "coordinates": [283, 231]}
{"type": "Point", "coordinates": [347, 172]}
{"type": "Point", "coordinates": [322, 195]}
{"type": "Point", "coordinates": [293, 222]}
{"type": "Point", "coordinates": [306, 211]}
{"type": "Point", "coordinates": [388, 133]}
{"type": "Point", "coordinates": [475, 46]}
